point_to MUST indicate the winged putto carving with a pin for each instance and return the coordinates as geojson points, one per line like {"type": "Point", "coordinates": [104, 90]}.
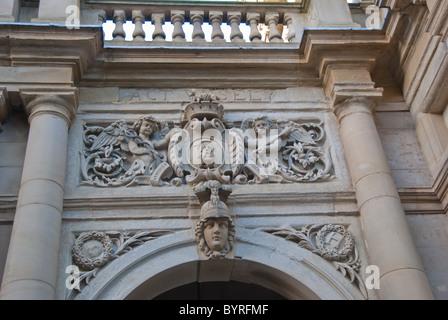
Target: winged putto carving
{"type": "Point", "coordinates": [284, 152]}
{"type": "Point", "coordinates": [122, 155]}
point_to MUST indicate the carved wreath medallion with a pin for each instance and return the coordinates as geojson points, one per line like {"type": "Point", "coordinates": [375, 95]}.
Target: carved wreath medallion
{"type": "Point", "coordinates": [92, 250]}
{"type": "Point", "coordinates": [334, 242]}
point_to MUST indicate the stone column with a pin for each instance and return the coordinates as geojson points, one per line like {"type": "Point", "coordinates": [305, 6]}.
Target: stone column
{"type": "Point", "coordinates": [31, 266]}
{"type": "Point", "coordinates": [387, 235]}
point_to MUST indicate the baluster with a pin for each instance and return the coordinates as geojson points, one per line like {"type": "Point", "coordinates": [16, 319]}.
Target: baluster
{"type": "Point", "coordinates": [177, 19]}
{"type": "Point", "coordinates": [216, 21]}
{"type": "Point", "coordinates": [138, 18]}
{"type": "Point", "coordinates": [102, 17]}
{"type": "Point", "coordinates": [272, 20]}
{"type": "Point", "coordinates": [197, 18]}
{"type": "Point", "coordinates": [253, 19]}
{"type": "Point", "coordinates": [119, 18]}
{"type": "Point", "coordinates": [234, 19]}
{"type": "Point", "coordinates": [291, 31]}
{"type": "Point", "coordinates": [157, 20]}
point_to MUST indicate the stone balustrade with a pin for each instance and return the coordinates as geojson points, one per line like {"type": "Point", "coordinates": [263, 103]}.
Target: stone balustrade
{"type": "Point", "coordinates": [196, 24]}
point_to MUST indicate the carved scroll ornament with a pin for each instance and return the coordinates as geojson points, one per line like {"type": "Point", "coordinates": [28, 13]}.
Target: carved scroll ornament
{"type": "Point", "coordinates": [332, 242]}
{"type": "Point", "coordinates": [94, 249]}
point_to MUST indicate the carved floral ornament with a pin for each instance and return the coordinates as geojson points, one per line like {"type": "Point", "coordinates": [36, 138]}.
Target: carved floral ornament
{"type": "Point", "coordinates": [203, 148]}
{"type": "Point", "coordinates": [92, 250]}
{"type": "Point", "coordinates": [332, 242]}
{"type": "Point", "coordinates": [215, 236]}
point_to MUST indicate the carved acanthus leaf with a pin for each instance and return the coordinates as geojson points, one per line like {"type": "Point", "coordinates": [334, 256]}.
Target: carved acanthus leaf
{"type": "Point", "coordinates": [332, 242]}
{"type": "Point", "coordinates": [93, 250]}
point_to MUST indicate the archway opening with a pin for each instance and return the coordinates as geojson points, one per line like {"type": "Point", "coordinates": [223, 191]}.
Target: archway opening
{"type": "Point", "coordinates": [261, 260]}
{"type": "Point", "coordinates": [221, 279]}
{"type": "Point", "coordinates": [220, 290]}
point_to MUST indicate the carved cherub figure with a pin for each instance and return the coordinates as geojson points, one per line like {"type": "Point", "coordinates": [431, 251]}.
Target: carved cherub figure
{"type": "Point", "coordinates": [264, 145]}
{"type": "Point", "coordinates": [143, 147]}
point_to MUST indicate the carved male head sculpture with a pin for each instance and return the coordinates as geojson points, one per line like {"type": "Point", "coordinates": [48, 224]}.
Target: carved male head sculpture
{"type": "Point", "coordinates": [215, 231]}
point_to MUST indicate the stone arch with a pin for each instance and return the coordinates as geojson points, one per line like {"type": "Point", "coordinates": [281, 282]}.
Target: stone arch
{"type": "Point", "coordinates": [260, 258]}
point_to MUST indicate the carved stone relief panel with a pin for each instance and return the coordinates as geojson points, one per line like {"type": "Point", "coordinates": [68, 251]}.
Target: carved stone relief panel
{"type": "Point", "coordinates": [92, 250]}
{"type": "Point", "coordinates": [203, 147]}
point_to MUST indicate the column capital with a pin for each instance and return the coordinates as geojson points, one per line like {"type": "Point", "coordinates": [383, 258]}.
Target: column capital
{"type": "Point", "coordinates": [62, 102]}
{"type": "Point", "coordinates": [350, 89]}
{"type": "Point", "coordinates": [355, 104]}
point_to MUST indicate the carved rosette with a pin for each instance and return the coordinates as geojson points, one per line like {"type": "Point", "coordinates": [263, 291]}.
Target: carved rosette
{"type": "Point", "coordinates": [332, 242]}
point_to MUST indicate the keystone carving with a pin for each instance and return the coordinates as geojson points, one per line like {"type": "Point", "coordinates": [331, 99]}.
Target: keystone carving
{"type": "Point", "coordinates": [215, 231]}
{"type": "Point", "coordinates": [332, 242]}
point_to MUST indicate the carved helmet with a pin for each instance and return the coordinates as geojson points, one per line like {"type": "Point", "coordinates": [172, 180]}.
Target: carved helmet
{"type": "Point", "coordinates": [214, 209]}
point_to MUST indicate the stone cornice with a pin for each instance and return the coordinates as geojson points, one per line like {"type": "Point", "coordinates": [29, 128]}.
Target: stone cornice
{"type": "Point", "coordinates": [51, 46]}
{"type": "Point", "coordinates": [157, 65]}
{"type": "Point", "coordinates": [253, 65]}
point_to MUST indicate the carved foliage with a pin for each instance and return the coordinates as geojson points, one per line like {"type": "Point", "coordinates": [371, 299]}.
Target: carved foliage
{"type": "Point", "coordinates": [93, 250]}
{"type": "Point", "coordinates": [301, 155]}
{"type": "Point", "coordinates": [124, 155]}
{"type": "Point", "coordinates": [332, 242]}
{"type": "Point", "coordinates": [204, 148]}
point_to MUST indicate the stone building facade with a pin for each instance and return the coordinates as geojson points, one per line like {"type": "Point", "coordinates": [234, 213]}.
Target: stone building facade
{"type": "Point", "coordinates": [305, 162]}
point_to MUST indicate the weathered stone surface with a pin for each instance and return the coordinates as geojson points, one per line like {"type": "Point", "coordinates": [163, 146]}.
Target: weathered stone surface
{"type": "Point", "coordinates": [362, 122]}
